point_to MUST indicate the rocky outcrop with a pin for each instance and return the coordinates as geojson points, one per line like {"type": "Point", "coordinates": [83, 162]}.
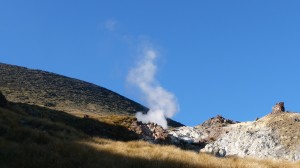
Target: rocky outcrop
{"type": "Point", "coordinates": [209, 131]}
{"type": "Point", "coordinates": [270, 137]}
{"type": "Point", "coordinates": [186, 134]}
{"type": "Point", "coordinates": [197, 137]}
{"type": "Point", "coordinates": [217, 121]}
{"type": "Point", "coordinates": [278, 108]}
{"type": "Point", "coordinates": [3, 101]}
{"type": "Point", "coordinates": [246, 140]}
{"type": "Point", "coordinates": [213, 128]}
{"type": "Point", "coordinates": [183, 137]}
{"type": "Point", "coordinates": [150, 132]}
{"type": "Point", "coordinates": [186, 138]}
{"type": "Point", "coordinates": [192, 138]}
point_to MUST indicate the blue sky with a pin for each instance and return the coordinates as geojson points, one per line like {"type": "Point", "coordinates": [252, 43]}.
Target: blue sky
{"type": "Point", "coordinates": [234, 58]}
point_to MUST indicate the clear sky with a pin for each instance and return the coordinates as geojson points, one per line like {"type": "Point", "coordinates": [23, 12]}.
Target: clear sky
{"type": "Point", "coordinates": [234, 58]}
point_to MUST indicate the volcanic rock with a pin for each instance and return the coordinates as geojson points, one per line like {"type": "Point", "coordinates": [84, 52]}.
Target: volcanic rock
{"type": "Point", "coordinates": [187, 134]}
{"type": "Point", "coordinates": [186, 138]}
{"type": "Point", "coordinates": [182, 137]}
{"type": "Point", "coordinates": [217, 121]}
{"type": "Point", "coordinates": [270, 137]}
{"type": "Point", "coordinates": [246, 140]}
{"type": "Point", "coordinates": [213, 128]}
{"type": "Point", "coordinates": [151, 132]}
{"type": "Point", "coordinates": [195, 138]}
{"type": "Point", "coordinates": [278, 108]}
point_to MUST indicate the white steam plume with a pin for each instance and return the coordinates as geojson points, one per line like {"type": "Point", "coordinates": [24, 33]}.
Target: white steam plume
{"type": "Point", "coordinates": [162, 103]}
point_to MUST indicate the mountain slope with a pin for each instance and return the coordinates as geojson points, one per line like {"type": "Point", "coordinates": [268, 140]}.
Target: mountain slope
{"type": "Point", "coordinates": [58, 92]}
{"type": "Point", "coordinates": [34, 137]}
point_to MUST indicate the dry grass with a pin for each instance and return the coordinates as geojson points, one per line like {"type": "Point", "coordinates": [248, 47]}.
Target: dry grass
{"type": "Point", "coordinates": [123, 120]}
{"type": "Point", "coordinates": [35, 137]}
{"type": "Point", "coordinates": [158, 155]}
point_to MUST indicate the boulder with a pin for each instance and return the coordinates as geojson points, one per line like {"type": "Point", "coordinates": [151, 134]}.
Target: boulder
{"type": "Point", "coordinates": [3, 101]}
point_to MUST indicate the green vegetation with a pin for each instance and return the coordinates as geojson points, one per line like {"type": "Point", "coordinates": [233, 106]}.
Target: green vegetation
{"type": "Point", "coordinates": [32, 136]}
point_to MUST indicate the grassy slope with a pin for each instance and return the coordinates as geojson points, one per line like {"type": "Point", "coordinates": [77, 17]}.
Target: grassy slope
{"type": "Point", "coordinates": [58, 92]}
{"type": "Point", "coordinates": [32, 136]}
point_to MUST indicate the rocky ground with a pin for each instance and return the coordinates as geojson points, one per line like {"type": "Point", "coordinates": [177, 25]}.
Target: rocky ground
{"type": "Point", "coordinates": [275, 136]}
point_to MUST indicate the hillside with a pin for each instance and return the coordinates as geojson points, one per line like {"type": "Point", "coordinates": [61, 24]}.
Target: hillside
{"type": "Point", "coordinates": [34, 137]}
{"type": "Point", "coordinates": [58, 92]}
{"type": "Point", "coordinates": [48, 117]}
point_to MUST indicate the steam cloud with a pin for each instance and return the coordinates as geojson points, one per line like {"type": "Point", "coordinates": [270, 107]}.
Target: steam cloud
{"type": "Point", "coordinates": [162, 103]}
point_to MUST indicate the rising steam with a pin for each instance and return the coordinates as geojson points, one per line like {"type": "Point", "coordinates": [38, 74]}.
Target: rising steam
{"type": "Point", "coordinates": [162, 103]}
